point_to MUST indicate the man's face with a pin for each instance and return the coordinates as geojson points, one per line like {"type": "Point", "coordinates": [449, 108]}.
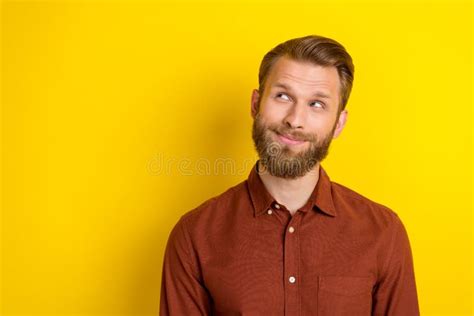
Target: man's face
{"type": "Point", "coordinates": [296, 117]}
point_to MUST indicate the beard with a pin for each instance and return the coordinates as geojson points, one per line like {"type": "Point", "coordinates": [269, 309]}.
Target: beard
{"type": "Point", "coordinates": [279, 159]}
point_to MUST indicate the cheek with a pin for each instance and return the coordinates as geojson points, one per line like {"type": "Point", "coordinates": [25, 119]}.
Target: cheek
{"type": "Point", "coordinates": [273, 112]}
{"type": "Point", "coordinates": [320, 125]}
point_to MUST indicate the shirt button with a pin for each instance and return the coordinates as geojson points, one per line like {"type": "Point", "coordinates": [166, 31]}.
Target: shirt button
{"type": "Point", "coordinates": [277, 206]}
{"type": "Point", "coordinates": [269, 212]}
{"type": "Point", "coordinates": [291, 229]}
{"type": "Point", "coordinates": [292, 279]}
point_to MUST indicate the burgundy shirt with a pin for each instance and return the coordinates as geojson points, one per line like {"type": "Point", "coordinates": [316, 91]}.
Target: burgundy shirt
{"type": "Point", "coordinates": [242, 253]}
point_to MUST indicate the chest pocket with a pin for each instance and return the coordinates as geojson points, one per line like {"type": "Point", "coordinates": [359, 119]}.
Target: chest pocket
{"type": "Point", "coordinates": [345, 295]}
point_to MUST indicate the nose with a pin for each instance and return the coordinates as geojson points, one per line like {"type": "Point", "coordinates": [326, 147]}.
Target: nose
{"type": "Point", "coordinates": [295, 116]}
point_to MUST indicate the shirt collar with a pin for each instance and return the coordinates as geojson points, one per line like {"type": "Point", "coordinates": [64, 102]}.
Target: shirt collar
{"type": "Point", "coordinates": [320, 199]}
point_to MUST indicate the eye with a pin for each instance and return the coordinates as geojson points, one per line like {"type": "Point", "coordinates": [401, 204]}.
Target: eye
{"type": "Point", "coordinates": [317, 104]}
{"type": "Point", "coordinates": [283, 96]}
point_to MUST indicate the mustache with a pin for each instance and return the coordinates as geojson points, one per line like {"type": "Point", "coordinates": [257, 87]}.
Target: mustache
{"type": "Point", "coordinates": [293, 134]}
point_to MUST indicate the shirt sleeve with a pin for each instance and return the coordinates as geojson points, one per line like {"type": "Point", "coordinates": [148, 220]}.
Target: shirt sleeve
{"type": "Point", "coordinates": [182, 289]}
{"type": "Point", "coordinates": [395, 293]}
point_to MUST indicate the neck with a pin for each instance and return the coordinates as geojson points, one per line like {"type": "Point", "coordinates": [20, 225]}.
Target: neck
{"type": "Point", "coordinates": [292, 193]}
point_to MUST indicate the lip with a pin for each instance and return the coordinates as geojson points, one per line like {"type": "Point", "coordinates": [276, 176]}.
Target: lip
{"type": "Point", "coordinates": [289, 140]}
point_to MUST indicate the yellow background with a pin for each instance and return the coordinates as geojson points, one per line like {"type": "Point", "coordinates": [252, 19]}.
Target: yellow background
{"type": "Point", "coordinates": [111, 112]}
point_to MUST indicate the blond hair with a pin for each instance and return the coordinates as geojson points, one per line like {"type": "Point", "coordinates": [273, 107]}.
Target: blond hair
{"type": "Point", "coordinates": [318, 50]}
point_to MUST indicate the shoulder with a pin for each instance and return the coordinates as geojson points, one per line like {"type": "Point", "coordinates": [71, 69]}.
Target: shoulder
{"type": "Point", "coordinates": [363, 217]}
{"type": "Point", "coordinates": [216, 207]}
{"type": "Point", "coordinates": [354, 205]}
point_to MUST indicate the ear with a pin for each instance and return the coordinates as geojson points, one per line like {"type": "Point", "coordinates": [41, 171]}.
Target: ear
{"type": "Point", "coordinates": [341, 122]}
{"type": "Point", "coordinates": [254, 103]}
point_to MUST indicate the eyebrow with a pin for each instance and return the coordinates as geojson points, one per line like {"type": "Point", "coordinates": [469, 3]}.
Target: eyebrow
{"type": "Point", "coordinates": [317, 94]}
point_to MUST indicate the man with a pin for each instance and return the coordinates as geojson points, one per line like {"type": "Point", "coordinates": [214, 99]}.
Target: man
{"type": "Point", "coordinates": [288, 241]}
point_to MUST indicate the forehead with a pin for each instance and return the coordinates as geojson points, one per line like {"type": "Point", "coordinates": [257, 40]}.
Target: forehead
{"type": "Point", "coordinates": [304, 75]}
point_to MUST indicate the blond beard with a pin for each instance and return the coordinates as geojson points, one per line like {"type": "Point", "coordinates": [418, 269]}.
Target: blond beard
{"type": "Point", "coordinates": [279, 160]}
